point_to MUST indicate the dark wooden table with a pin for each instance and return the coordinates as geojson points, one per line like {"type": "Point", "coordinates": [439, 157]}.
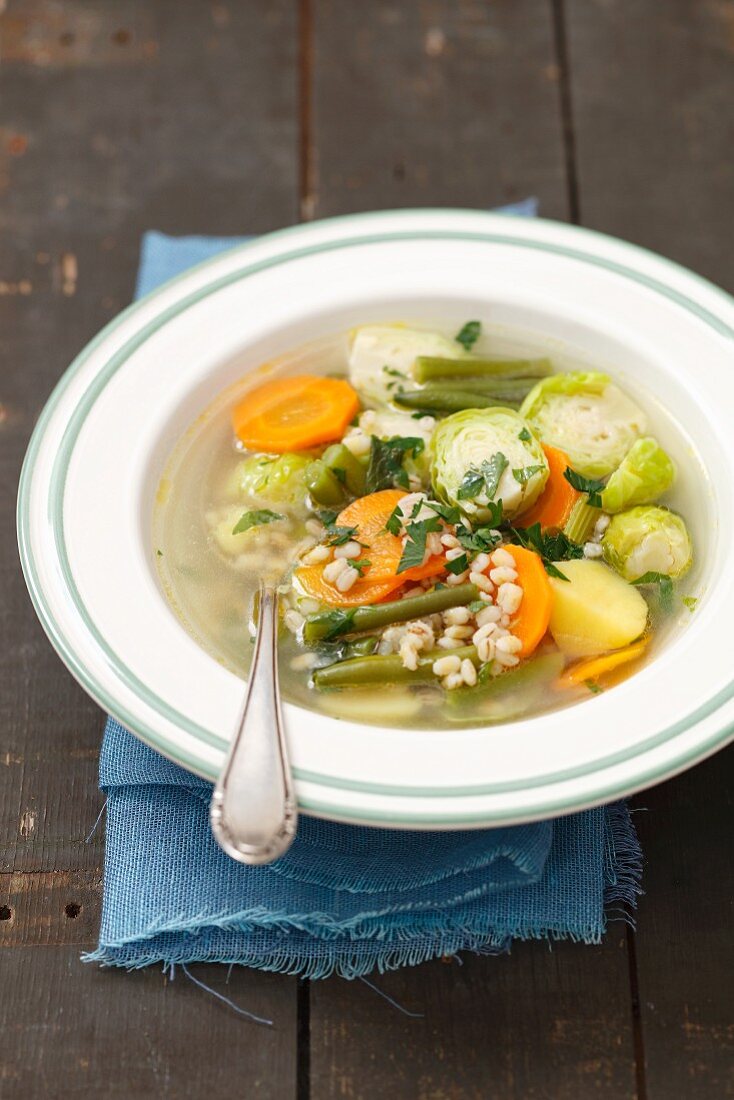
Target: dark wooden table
{"type": "Point", "coordinates": [240, 116]}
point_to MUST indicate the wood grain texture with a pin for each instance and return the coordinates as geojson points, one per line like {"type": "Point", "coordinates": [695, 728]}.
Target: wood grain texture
{"type": "Point", "coordinates": [684, 943]}
{"type": "Point", "coordinates": [435, 103]}
{"type": "Point", "coordinates": [117, 117]}
{"type": "Point", "coordinates": [541, 1024]}
{"type": "Point", "coordinates": [651, 88]}
{"type": "Point", "coordinates": [71, 1029]}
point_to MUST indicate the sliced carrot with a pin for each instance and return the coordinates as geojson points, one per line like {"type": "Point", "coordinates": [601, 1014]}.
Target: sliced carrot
{"type": "Point", "coordinates": [380, 578]}
{"type": "Point", "coordinates": [369, 515]}
{"type": "Point", "coordinates": [291, 414]}
{"type": "Point", "coordinates": [553, 507]}
{"type": "Point", "coordinates": [364, 592]}
{"type": "Point", "coordinates": [596, 667]}
{"type": "Point", "coordinates": [531, 621]}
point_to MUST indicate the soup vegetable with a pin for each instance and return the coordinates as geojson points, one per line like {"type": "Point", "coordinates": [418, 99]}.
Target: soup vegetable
{"type": "Point", "coordinates": [462, 538]}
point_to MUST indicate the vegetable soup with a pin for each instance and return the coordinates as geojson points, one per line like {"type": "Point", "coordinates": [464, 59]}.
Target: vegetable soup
{"type": "Point", "coordinates": [466, 527]}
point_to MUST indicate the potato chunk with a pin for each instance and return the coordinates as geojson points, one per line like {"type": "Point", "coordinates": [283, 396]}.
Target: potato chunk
{"type": "Point", "coordinates": [594, 610]}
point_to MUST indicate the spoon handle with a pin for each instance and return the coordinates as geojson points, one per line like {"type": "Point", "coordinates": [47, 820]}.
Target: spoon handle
{"type": "Point", "coordinates": [253, 811]}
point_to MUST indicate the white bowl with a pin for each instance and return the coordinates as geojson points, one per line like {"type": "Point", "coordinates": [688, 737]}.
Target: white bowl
{"type": "Point", "coordinates": [88, 483]}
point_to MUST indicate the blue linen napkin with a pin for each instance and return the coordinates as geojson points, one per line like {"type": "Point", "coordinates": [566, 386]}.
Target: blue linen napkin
{"type": "Point", "coordinates": [345, 899]}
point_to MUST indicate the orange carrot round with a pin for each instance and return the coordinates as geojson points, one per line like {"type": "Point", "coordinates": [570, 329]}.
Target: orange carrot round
{"type": "Point", "coordinates": [596, 667]}
{"type": "Point", "coordinates": [291, 414]}
{"type": "Point", "coordinates": [380, 578]}
{"type": "Point", "coordinates": [531, 621]}
{"type": "Point", "coordinates": [553, 507]}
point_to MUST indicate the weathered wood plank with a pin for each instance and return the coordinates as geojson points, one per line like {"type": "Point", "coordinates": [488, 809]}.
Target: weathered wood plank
{"type": "Point", "coordinates": [75, 1030]}
{"type": "Point", "coordinates": [651, 88]}
{"type": "Point", "coordinates": [540, 1023]}
{"type": "Point", "coordinates": [431, 104]}
{"type": "Point", "coordinates": [684, 944]}
{"type": "Point", "coordinates": [117, 117]}
{"type": "Point", "coordinates": [51, 907]}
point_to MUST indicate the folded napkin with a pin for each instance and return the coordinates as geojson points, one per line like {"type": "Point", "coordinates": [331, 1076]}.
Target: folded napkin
{"type": "Point", "coordinates": [345, 899]}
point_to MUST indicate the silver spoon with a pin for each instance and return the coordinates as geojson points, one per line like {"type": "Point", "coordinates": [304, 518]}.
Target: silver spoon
{"type": "Point", "coordinates": [253, 811]}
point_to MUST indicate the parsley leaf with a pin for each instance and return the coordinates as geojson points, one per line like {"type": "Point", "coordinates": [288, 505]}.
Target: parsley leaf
{"type": "Point", "coordinates": [449, 513]}
{"type": "Point", "coordinates": [469, 334]}
{"type": "Point", "coordinates": [337, 622]}
{"type": "Point", "coordinates": [385, 468]}
{"type": "Point", "coordinates": [524, 435]}
{"type": "Point", "coordinates": [481, 540]}
{"type": "Point", "coordinates": [340, 474]}
{"type": "Point", "coordinates": [476, 605]}
{"type": "Point", "coordinates": [549, 547]}
{"type": "Point", "coordinates": [394, 522]}
{"type": "Point", "coordinates": [415, 546]}
{"type": "Point", "coordinates": [458, 565]}
{"type": "Point", "coordinates": [665, 587]}
{"type": "Point", "coordinates": [340, 536]}
{"type": "Point", "coordinates": [483, 479]}
{"type": "Point", "coordinates": [523, 475]}
{"type": "Point", "coordinates": [256, 518]}
{"type": "Point", "coordinates": [591, 485]}
{"type": "Point", "coordinates": [327, 517]}
{"type": "Point", "coordinates": [690, 602]}
{"type": "Point", "coordinates": [360, 566]}
{"type": "Point", "coordinates": [593, 688]}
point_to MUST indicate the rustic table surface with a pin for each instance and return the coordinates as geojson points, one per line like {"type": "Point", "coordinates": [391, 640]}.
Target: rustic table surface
{"type": "Point", "coordinates": [237, 117]}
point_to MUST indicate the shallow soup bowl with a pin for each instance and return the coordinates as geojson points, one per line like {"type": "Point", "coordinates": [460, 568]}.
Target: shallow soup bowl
{"type": "Point", "coordinates": [95, 462]}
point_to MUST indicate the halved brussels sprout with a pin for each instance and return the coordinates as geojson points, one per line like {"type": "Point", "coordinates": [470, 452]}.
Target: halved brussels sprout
{"type": "Point", "coordinates": [381, 358]}
{"type": "Point", "coordinates": [266, 479]}
{"type": "Point", "coordinates": [647, 539]}
{"type": "Point", "coordinates": [586, 416]}
{"type": "Point", "coordinates": [645, 474]}
{"type": "Point", "coordinates": [483, 455]}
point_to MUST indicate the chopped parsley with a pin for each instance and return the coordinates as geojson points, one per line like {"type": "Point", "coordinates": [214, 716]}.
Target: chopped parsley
{"type": "Point", "coordinates": [337, 622]}
{"type": "Point", "coordinates": [523, 475]}
{"type": "Point", "coordinates": [549, 547]}
{"type": "Point", "coordinates": [524, 435]}
{"type": "Point", "coordinates": [482, 540]}
{"type": "Point", "coordinates": [448, 512]}
{"type": "Point", "coordinates": [337, 535]}
{"type": "Point", "coordinates": [591, 485]}
{"type": "Point", "coordinates": [469, 334]}
{"type": "Point", "coordinates": [327, 517]}
{"type": "Point", "coordinates": [360, 566]}
{"type": "Point", "coordinates": [415, 546]}
{"type": "Point", "coordinates": [256, 518]}
{"type": "Point", "coordinates": [385, 469]}
{"type": "Point", "coordinates": [159, 553]}
{"type": "Point", "coordinates": [394, 522]}
{"type": "Point", "coordinates": [476, 605]}
{"type": "Point", "coordinates": [483, 479]}
{"type": "Point", "coordinates": [665, 587]}
{"type": "Point", "coordinates": [593, 687]}
{"type": "Point", "coordinates": [340, 474]}
{"type": "Point", "coordinates": [458, 565]}
{"type": "Point", "coordinates": [689, 601]}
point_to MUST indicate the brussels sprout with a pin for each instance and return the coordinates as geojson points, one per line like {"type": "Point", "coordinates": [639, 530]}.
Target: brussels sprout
{"type": "Point", "coordinates": [586, 416]}
{"type": "Point", "coordinates": [647, 539]}
{"type": "Point", "coordinates": [645, 474]}
{"type": "Point", "coordinates": [381, 357]}
{"type": "Point", "coordinates": [484, 455]}
{"type": "Point", "coordinates": [269, 479]}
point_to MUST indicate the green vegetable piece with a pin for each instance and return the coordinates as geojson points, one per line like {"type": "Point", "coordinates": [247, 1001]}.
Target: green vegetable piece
{"type": "Point", "coordinates": [507, 695]}
{"type": "Point", "coordinates": [664, 584]}
{"type": "Point", "coordinates": [434, 399]}
{"type": "Point", "coordinates": [467, 444]}
{"type": "Point", "coordinates": [648, 539]}
{"type": "Point", "coordinates": [322, 483]}
{"type": "Point", "coordinates": [381, 669]}
{"type": "Point", "coordinates": [386, 469]}
{"type": "Point", "coordinates": [346, 467]}
{"type": "Point", "coordinates": [592, 486]}
{"type": "Point", "coordinates": [265, 479]}
{"type": "Point", "coordinates": [690, 602]}
{"type": "Point", "coordinates": [256, 518]}
{"type": "Point", "coordinates": [582, 521]}
{"type": "Point", "coordinates": [429, 368]}
{"type": "Point", "coordinates": [469, 334]}
{"type": "Point", "coordinates": [330, 624]}
{"type": "Point", "coordinates": [373, 348]}
{"type": "Point", "coordinates": [645, 473]}
{"type": "Point", "coordinates": [415, 545]}
{"type": "Point", "coordinates": [588, 417]}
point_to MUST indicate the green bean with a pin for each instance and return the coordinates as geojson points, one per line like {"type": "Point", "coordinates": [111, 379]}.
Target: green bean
{"type": "Point", "coordinates": [323, 485]}
{"type": "Point", "coordinates": [428, 367]}
{"type": "Point", "coordinates": [506, 389]}
{"type": "Point", "coordinates": [438, 400]}
{"type": "Point", "coordinates": [580, 524]}
{"type": "Point", "coordinates": [327, 623]}
{"type": "Point", "coordinates": [385, 669]}
{"type": "Point", "coordinates": [526, 677]}
{"type": "Point", "coordinates": [338, 457]}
